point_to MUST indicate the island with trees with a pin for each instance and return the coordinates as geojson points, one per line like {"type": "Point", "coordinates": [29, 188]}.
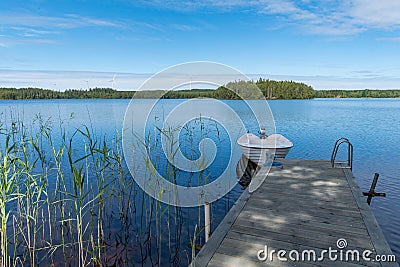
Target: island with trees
{"type": "Point", "coordinates": [237, 89]}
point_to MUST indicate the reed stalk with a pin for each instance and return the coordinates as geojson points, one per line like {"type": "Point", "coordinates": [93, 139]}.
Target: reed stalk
{"type": "Point", "coordinates": [72, 200]}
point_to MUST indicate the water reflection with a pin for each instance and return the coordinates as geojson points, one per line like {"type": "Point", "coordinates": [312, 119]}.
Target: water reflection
{"type": "Point", "coordinates": [245, 170]}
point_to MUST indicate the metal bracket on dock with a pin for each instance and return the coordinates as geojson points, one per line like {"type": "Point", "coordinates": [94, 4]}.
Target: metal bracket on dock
{"type": "Point", "coordinates": [346, 164]}
{"type": "Point", "coordinates": [371, 193]}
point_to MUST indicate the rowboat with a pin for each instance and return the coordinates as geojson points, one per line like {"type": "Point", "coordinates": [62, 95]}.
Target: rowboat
{"type": "Point", "coordinates": [261, 149]}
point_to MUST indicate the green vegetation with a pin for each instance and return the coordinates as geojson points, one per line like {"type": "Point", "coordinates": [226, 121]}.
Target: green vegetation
{"type": "Point", "coordinates": [357, 93]}
{"type": "Point", "coordinates": [52, 199]}
{"type": "Point", "coordinates": [67, 199]}
{"type": "Point", "coordinates": [269, 88]}
{"type": "Point", "coordinates": [38, 93]}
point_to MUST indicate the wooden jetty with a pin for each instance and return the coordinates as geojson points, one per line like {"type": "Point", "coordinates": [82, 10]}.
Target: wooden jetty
{"type": "Point", "coordinates": [307, 205]}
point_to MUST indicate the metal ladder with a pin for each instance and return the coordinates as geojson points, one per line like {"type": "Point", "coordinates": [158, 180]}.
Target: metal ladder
{"type": "Point", "coordinates": [342, 164]}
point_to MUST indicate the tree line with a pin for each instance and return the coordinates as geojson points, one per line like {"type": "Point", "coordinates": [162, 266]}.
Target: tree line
{"type": "Point", "coordinates": [39, 93]}
{"type": "Point", "coordinates": [268, 89]}
{"type": "Point", "coordinates": [357, 93]}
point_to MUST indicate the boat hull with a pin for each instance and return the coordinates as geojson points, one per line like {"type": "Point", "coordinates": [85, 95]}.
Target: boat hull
{"type": "Point", "coordinates": [261, 150]}
{"type": "Point", "coordinates": [257, 155]}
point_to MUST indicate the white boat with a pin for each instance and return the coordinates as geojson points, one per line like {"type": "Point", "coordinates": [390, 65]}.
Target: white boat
{"type": "Point", "coordinates": [259, 149]}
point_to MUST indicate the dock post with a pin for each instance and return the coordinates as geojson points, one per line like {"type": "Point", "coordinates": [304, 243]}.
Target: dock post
{"type": "Point", "coordinates": [207, 223]}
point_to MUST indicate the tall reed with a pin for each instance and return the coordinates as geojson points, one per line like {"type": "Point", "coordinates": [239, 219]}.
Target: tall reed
{"type": "Point", "coordinates": [67, 197]}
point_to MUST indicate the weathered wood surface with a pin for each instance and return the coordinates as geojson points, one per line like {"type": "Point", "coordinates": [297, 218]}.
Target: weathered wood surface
{"type": "Point", "coordinates": [307, 205]}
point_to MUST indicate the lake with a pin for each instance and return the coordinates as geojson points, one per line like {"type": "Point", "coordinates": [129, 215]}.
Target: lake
{"type": "Point", "coordinates": [372, 125]}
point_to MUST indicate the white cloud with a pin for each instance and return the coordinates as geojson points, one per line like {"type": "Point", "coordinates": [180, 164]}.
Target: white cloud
{"type": "Point", "coordinates": [356, 81]}
{"type": "Point", "coordinates": [322, 18]}
{"type": "Point", "coordinates": [183, 27]}
{"type": "Point", "coordinates": [26, 39]}
{"type": "Point", "coordinates": [328, 17]}
{"type": "Point", "coordinates": [283, 7]}
{"type": "Point", "coordinates": [32, 32]}
{"type": "Point", "coordinates": [337, 17]}
{"type": "Point", "coordinates": [22, 28]}
{"type": "Point", "coordinates": [376, 14]}
{"type": "Point", "coordinates": [50, 22]}
{"type": "Point", "coordinates": [389, 39]}
{"type": "Point", "coordinates": [194, 5]}
{"type": "Point", "coordinates": [61, 80]}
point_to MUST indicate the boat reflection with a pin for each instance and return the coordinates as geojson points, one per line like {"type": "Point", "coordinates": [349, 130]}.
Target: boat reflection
{"type": "Point", "coordinates": [245, 170]}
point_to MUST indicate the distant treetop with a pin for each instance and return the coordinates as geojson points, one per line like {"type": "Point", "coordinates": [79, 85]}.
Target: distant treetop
{"type": "Point", "coordinates": [237, 89]}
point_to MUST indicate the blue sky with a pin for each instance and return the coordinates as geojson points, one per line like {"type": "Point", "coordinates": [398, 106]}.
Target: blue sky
{"type": "Point", "coordinates": [76, 44]}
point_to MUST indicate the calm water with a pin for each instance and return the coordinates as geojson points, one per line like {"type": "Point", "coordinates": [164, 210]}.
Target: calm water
{"type": "Point", "coordinates": [372, 125]}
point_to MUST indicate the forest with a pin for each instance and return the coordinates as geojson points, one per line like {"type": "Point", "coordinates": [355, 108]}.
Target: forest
{"type": "Point", "coordinates": [357, 93]}
{"type": "Point", "coordinates": [237, 89]}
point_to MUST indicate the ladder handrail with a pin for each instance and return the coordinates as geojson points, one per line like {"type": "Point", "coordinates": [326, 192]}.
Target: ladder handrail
{"type": "Point", "coordinates": [335, 148]}
{"type": "Point", "coordinates": [338, 142]}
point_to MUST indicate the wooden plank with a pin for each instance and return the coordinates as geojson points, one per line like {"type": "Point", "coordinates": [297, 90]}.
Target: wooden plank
{"type": "Point", "coordinates": [223, 260]}
{"type": "Point", "coordinates": [307, 231]}
{"type": "Point", "coordinates": [294, 216]}
{"type": "Point", "coordinates": [315, 182]}
{"type": "Point", "coordinates": [275, 205]}
{"type": "Point", "coordinates": [320, 182]}
{"type": "Point", "coordinates": [251, 248]}
{"type": "Point", "coordinates": [316, 226]}
{"type": "Point", "coordinates": [306, 205]}
{"type": "Point", "coordinates": [249, 253]}
{"type": "Point", "coordinates": [321, 241]}
{"type": "Point", "coordinates": [311, 195]}
{"type": "Point", "coordinates": [279, 217]}
{"type": "Point", "coordinates": [302, 205]}
{"type": "Point", "coordinates": [302, 215]}
{"type": "Point", "coordinates": [261, 241]}
{"type": "Point", "coordinates": [270, 199]}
